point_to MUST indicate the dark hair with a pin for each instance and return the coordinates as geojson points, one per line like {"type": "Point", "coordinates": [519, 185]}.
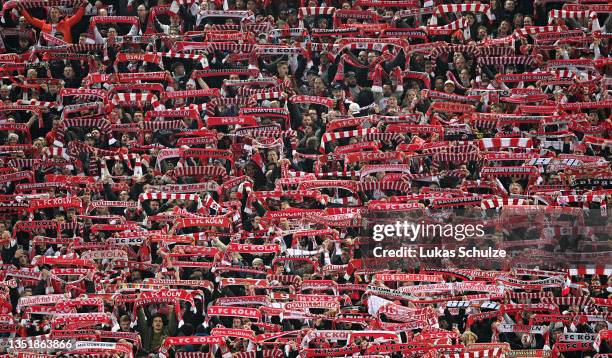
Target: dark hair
{"type": "Point", "coordinates": [163, 318]}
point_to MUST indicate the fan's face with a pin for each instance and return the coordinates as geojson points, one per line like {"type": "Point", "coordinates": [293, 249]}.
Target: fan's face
{"type": "Point", "coordinates": [54, 14]}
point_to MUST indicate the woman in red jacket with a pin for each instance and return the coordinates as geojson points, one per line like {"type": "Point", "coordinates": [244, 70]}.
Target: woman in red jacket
{"type": "Point", "coordinates": [56, 24]}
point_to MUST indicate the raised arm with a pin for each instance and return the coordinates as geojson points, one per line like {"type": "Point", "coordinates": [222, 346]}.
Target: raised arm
{"type": "Point", "coordinates": [32, 20]}
{"type": "Point", "coordinates": [98, 36]}
{"type": "Point", "coordinates": [74, 19]}
{"type": "Point", "coordinates": [142, 326]}
{"type": "Point", "coordinates": [172, 323]}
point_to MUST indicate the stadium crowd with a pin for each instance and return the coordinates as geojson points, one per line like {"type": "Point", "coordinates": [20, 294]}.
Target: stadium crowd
{"type": "Point", "coordinates": [184, 178]}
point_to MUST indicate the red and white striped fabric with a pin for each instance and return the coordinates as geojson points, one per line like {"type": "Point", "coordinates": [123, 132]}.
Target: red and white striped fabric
{"type": "Point", "coordinates": [497, 50]}
{"type": "Point", "coordinates": [327, 137]}
{"type": "Point", "coordinates": [579, 76]}
{"type": "Point", "coordinates": [445, 157]}
{"type": "Point", "coordinates": [569, 301]}
{"type": "Point", "coordinates": [590, 270]}
{"type": "Point", "coordinates": [125, 158]}
{"type": "Point", "coordinates": [499, 202]}
{"type": "Point", "coordinates": [439, 50]}
{"type": "Point", "coordinates": [257, 28]}
{"type": "Point", "coordinates": [498, 143]}
{"type": "Point", "coordinates": [267, 353]}
{"type": "Point", "coordinates": [266, 133]}
{"type": "Point", "coordinates": [586, 200]}
{"type": "Point", "coordinates": [582, 63]}
{"type": "Point", "coordinates": [565, 199]}
{"type": "Point", "coordinates": [564, 14]}
{"type": "Point", "coordinates": [200, 171]}
{"type": "Point", "coordinates": [291, 32]}
{"type": "Point", "coordinates": [237, 14]}
{"type": "Point", "coordinates": [298, 174]}
{"type": "Point", "coordinates": [376, 46]}
{"type": "Point", "coordinates": [240, 101]}
{"type": "Point", "coordinates": [170, 196]}
{"type": "Point", "coordinates": [266, 94]}
{"type": "Point", "coordinates": [186, 2]}
{"type": "Point", "coordinates": [320, 46]}
{"type": "Point", "coordinates": [57, 152]}
{"type": "Point", "coordinates": [565, 73]}
{"type": "Point", "coordinates": [214, 46]}
{"type": "Point", "coordinates": [24, 163]}
{"type": "Point", "coordinates": [527, 295]}
{"type": "Point", "coordinates": [102, 124]}
{"type": "Point", "coordinates": [35, 102]}
{"type": "Point", "coordinates": [130, 99]}
{"type": "Point", "coordinates": [210, 203]}
{"type": "Point", "coordinates": [83, 93]}
{"type": "Point", "coordinates": [384, 137]}
{"type": "Point", "coordinates": [587, 139]}
{"type": "Point", "coordinates": [448, 28]}
{"type": "Point", "coordinates": [507, 60]}
{"type": "Point", "coordinates": [186, 56]}
{"type": "Point", "coordinates": [160, 125]}
{"type": "Point", "coordinates": [226, 27]}
{"type": "Point", "coordinates": [473, 7]}
{"type": "Point", "coordinates": [244, 91]}
{"type": "Point", "coordinates": [455, 173]}
{"type": "Point", "coordinates": [315, 11]}
{"type": "Point", "coordinates": [346, 201]}
{"type": "Point", "coordinates": [340, 173]}
{"type": "Point", "coordinates": [389, 185]}
{"type": "Point", "coordinates": [533, 30]}
{"type": "Point", "coordinates": [445, 147]}
{"type": "Point", "coordinates": [231, 47]}
{"type": "Point", "coordinates": [495, 352]}
{"type": "Point", "coordinates": [484, 123]}
{"type": "Point", "coordinates": [419, 176]}
{"type": "Point", "coordinates": [192, 355]}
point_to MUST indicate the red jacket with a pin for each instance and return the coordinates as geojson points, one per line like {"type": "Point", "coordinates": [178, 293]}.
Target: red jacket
{"type": "Point", "coordinates": [63, 26]}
